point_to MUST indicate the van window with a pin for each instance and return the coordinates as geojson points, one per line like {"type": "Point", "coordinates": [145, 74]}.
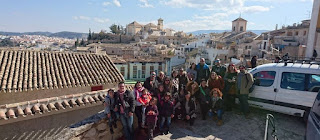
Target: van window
{"type": "Point", "coordinates": [293, 81]}
{"type": "Point", "coordinates": [314, 83]}
{"type": "Point", "coordinates": [264, 78]}
{"type": "Point", "coordinates": [316, 107]}
{"type": "Point", "coordinates": [300, 81]}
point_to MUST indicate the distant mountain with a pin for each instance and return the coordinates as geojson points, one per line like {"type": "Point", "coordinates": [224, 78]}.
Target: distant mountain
{"type": "Point", "coordinates": [198, 32]}
{"type": "Point", "coordinates": [64, 34]}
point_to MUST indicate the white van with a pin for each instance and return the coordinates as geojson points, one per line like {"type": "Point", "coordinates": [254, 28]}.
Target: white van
{"type": "Point", "coordinates": [288, 88]}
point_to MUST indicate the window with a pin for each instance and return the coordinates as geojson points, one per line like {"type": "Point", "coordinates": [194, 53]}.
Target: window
{"type": "Point", "coordinates": [134, 75]}
{"type": "Point", "coordinates": [122, 71]}
{"type": "Point", "coordinates": [297, 33]}
{"type": "Point", "coordinates": [143, 71]}
{"type": "Point", "coordinates": [293, 81]}
{"type": "Point", "coordinates": [305, 33]}
{"type": "Point", "coordinates": [160, 67]}
{"type": "Point", "coordinates": [316, 108]}
{"type": "Point", "coordinates": [234, 28]}
{"type": "Point", "coordinates": [151, 68]}
{"type": "Point", "coordinates": [249, 47]}
{"type": "Point", "coordinates": [264, 78]}
{"type": "Point", "coordinates": [314, 83]}
{"type": "Point", "coordinates": [289, 34]}
{"type": "Point", "coordinates": [241, 28]}
{"type": "Point", "coordinates": [246, 47]}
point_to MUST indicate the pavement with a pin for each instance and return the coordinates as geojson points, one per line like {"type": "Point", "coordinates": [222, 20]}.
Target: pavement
{"type": "Point", "coordinates": [236, 127]}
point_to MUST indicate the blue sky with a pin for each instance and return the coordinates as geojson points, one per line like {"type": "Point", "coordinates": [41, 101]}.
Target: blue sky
{"type": "Point", "coordinates": [185, 15]}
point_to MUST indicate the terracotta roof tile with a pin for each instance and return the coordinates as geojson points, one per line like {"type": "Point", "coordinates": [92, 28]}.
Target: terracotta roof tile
{"type": "Point", "coordinates": [42, 106]}
{"type": "Point", "coordinates": [22, 70]}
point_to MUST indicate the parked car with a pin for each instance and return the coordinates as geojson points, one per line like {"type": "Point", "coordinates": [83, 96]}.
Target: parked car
{"type": "Point", "coordinates": [313, 125]}
{"type": "Point", "coordinates": [288, 88]}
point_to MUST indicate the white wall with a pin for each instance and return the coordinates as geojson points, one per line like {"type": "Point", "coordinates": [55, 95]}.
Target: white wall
{"type": "Point", "coordinates": [312, 30]}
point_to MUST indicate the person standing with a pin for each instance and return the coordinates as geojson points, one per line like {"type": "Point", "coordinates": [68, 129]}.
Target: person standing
{"type": "Point", "coordinates": [244, 83]}
{"type": "Point", "coordinates": [192, 72]}
{"type": "Point", "coordinates": [111, 110]}
{"type": "Point", "coordinates": [138, 88]}
{"type": "Point", "coordinates": [160, 78]}
{"type": "Point", "coordinates": [203, 71]}
{"type": "Point", "coordinates": [218, 68]}
{"type": "Point", "coordinates": [151, 117]}
{"type": "Point", "coordinates": [126, 103]}
{"type": "Point", "coordinates": [230, 88]}
{"type": "Point", "coordinates": [183, 79]}
{"type": "Point", "coordinates": [254, 61]}
{"type": "Point", "coordinates": [144, 101]}
{"type": "Point", "coordinates": [215, 81]}
{"type": "Point", "coordinates": [151, 83]}
{"type": "Point", "coordinates": [166, 112]}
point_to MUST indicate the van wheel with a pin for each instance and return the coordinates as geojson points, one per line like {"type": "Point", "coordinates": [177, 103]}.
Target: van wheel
{"type": "Point", "coordinates": [306, 115]}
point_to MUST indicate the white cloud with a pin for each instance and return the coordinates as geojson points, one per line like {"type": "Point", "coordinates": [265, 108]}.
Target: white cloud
{"type": "Point", "coordinates": [204, 4]}
{"type": "Point", "coordinates": [81, 18]}
{"type": "Point", "coordinates": [101, 20]}
{"type": "Point", "coordinates": [145, 4]}
{"type": "Point", "coordinates": [106, 3]}
{"type": "Point", "coordinates": [117, 3]}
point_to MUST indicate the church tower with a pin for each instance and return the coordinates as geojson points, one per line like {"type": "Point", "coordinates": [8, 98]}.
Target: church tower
{"type": "Point", "coordinates": [239, 25]}
{"type": "Point", "coordinates": [160, 24]}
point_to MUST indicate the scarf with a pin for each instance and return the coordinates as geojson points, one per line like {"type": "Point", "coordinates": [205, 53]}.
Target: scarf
{"type": "Point", "coordinates": [138, 91]}
{"type": "Point", "coordinates": [202, 91]}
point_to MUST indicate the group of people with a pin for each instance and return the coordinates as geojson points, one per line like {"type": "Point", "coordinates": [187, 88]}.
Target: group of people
{"type": "Point", "coordinates": [162, 98]}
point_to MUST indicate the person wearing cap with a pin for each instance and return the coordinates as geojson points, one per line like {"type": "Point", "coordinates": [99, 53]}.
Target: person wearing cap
{"type": "Point", "coordinates": [203, 70]}
{"type": "Point", "coordinates": [244, 83]}
{"type": "Point", "coordinates": [111, 110]}
{"type": "Point", "coordinates": [183, 79]}
{"type": "Point", "coordinates": [166, 112]}
{"type": "Point", "coordinates": [230, 88]}
{"type": "Point", "coordinates": [218, 68]}
{"type": "Point", "coordinates": [203, 98]}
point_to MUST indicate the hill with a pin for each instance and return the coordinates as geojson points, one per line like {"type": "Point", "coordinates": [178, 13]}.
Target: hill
{"type": "Point", "coordinates": [64, 34]}
{"type": "Point", "coordinates": [198, 32]}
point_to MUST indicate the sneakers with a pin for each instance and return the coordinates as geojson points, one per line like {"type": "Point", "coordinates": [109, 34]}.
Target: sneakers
{"type": "Point", "coordinates": [220, 122]}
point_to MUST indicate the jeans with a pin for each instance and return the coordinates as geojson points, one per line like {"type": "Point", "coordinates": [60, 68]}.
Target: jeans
{"type": "Point", "coordinates": [113, 118]}
{"type": "Point", "coordinates": [163, 119]}
{"type": "Point", "coordinates": [127, 123]}
{"type": "Point", "coordinates": [151, 126]}
{"type": "Point", "coordinates": [219, 114]}
{"type": "Point", "coordinates": [143, 109]}
{"type": "Point", "coordinates": [244, 105]}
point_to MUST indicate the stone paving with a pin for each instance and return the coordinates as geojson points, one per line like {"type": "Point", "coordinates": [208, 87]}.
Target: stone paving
{"type": "Point", "coordinates": [237, 127]}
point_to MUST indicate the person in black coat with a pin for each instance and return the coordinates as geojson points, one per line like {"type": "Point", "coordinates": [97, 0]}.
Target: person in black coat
{"type": "Point", "coordinates": [125, 101]}
{"type": "Point", "coordinates": [189, 107]}
{"type": "Point", "coordinates": [217, 105]}
{"type": "Point", "coordinates": [254, 62]}
{"type": "Point", "coordinates": [203, 98]}
{"type": "Point", "coordinates": [166, 112]}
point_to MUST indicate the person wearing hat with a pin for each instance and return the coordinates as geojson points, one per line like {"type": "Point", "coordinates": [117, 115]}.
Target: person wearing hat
{"type": "Point", "coordinates": [166, 112]}
{"type": "Point", "coordinates": [218, 68]}
{"type": "Point", "coordinates": [111, 110]}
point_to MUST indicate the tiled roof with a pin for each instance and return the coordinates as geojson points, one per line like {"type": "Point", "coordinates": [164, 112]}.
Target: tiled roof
{"type": "Point", "coordinates": [23, 110]}
{"type": "Point", "coordinates": [23, 70]}
{"type": "Point", "coordinates": [239, 19]}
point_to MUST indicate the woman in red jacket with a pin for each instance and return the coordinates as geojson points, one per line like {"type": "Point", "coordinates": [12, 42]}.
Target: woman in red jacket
{"type": "Point", "coordinates": [215, 81]}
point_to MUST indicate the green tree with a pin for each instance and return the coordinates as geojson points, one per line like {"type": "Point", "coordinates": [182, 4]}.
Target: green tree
{"type": "Point", "coordinates": [82, 42]}
{"type": "Point", "coordinates": [89, 36]}
{"type": "Point", "coordinates": [76, 44]}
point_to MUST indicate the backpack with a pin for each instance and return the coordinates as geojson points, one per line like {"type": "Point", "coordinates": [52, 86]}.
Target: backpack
{"type": "Point", "coordinates": [252, 87]}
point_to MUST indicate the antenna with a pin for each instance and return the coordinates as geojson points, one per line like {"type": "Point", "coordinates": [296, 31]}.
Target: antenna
{"type": "Point", "coordinates": [240, 15]}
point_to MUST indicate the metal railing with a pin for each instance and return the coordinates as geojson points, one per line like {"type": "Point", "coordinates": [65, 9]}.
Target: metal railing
{"type": "Point", "coordinates": [270, 125]}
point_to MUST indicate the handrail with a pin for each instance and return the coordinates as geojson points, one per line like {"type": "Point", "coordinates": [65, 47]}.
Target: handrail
{"type": "Point", "coordinates": [270, 120]}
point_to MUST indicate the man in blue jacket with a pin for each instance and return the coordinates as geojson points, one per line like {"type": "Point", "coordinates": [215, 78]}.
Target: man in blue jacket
{"type": "Point", "coordinates": [203, 71]}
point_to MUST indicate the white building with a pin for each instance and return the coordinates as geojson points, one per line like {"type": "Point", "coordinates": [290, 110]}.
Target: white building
{"type": "Point", "coordinates": [314, 31]}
